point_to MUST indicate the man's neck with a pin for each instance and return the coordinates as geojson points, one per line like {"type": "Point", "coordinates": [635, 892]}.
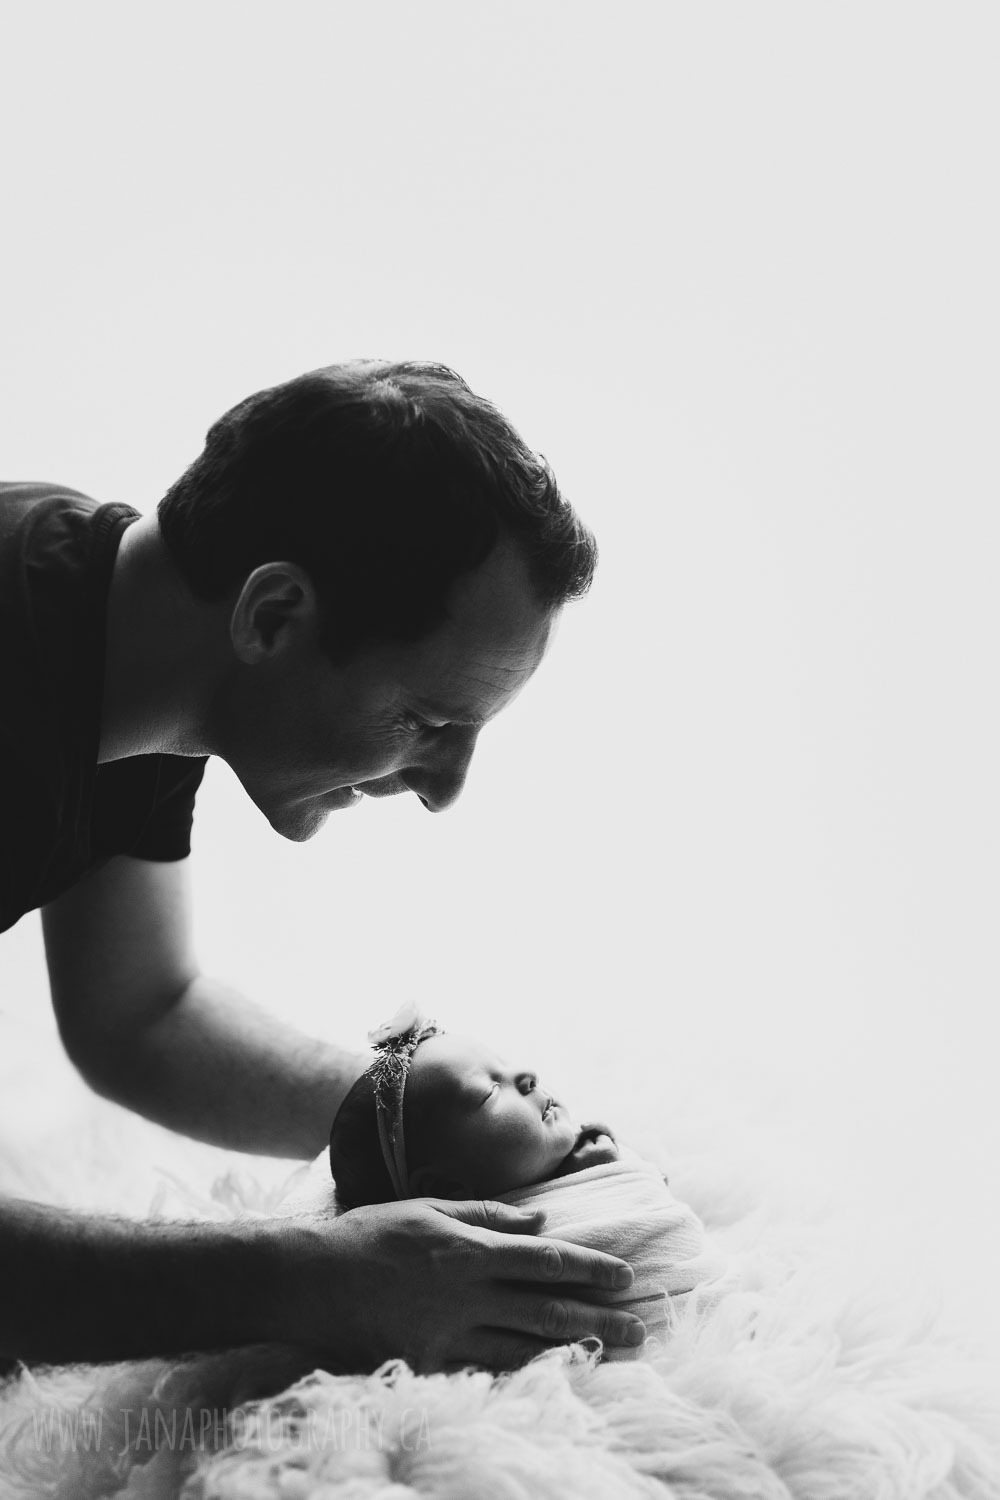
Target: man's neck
{"type": "Point", "coordinates": [158, 657]}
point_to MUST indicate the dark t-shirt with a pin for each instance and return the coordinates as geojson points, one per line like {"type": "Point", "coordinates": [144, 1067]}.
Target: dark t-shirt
{"type": "Point", "coordinates": [62, 814]}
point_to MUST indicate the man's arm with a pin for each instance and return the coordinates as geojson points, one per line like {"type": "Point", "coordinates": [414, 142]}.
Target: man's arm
{"type": "Point", "coordinates": [147, 1029]}
{"type": "Point", "coordinates": [94, 1288]}
{"type": "Point", "coordinates": [434, 1283]}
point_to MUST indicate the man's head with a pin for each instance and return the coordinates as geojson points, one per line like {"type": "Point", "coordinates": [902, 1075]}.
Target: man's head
{"type": "Point", "coordinates": [386, 483]}
{"type": "Point", "coordinates": [392, 557]}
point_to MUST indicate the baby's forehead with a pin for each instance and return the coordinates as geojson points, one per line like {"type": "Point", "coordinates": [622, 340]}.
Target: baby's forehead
{"type": "Point", "coordinates": [446, 1066]}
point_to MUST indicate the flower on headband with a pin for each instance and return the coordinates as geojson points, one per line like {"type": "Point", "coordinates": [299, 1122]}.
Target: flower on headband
{"type": "Point", "coordinates": [407, 1018]}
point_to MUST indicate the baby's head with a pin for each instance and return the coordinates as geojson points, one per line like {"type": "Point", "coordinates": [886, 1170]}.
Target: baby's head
{"type": "Point", "coordinates": [475, 1127]}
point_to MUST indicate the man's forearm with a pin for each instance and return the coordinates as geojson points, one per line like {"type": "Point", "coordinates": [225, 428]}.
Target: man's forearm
{"type": "Point", "coordinates": [98, 1288]}
{"type": "Point", "coordinates": [216, 1067]}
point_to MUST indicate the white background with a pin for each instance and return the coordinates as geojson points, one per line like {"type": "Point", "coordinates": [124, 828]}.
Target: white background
{"type": "Point", "coordinates": [733, 269]}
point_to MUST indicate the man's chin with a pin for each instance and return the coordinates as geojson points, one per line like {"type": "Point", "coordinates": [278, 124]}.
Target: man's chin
{"type": "Point", "coordinates": [298, 824]}
{"type": "Point", "coordinates": [299, 821]}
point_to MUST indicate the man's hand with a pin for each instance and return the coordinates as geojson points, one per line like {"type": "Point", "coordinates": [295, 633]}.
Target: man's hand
{"type": "Point", "coordinates": [441, 1285]}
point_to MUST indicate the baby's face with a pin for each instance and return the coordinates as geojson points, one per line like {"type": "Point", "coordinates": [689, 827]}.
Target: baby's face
{"type": "Point", "coordinates": [482, 1126]}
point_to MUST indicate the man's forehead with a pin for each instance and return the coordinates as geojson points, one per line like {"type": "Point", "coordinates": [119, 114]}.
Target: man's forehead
{"type": "Point", "coordinates": [456, 685]}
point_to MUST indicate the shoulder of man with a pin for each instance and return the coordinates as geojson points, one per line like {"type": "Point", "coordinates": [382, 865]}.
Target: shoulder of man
{"type": "Point", "coordinates": [57, 549]}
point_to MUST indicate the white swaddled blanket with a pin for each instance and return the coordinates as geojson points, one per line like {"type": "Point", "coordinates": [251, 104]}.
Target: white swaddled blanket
{"type": "Point", "coordinates": [625, 1208]}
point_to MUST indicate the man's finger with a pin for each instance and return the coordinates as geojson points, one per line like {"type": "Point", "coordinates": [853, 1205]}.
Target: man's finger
{"type": "Point", "coordinates": [556, 1260]}
{"type": "Point", "coordinates": [526, 1259]}
{"type": "Point", "coordinates": [565, 1320]}
{"type": "Point", "coordinates": [503, 1218]}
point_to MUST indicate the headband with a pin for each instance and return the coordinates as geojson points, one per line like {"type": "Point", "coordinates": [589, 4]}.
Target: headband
{"type": "Point", "coordinates": [395, 1042]}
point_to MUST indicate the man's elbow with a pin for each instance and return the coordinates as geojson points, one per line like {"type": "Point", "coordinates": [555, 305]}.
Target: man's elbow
{"type": "Point", "coordinates": [104, 1062]}
{"type": "Point", "coordinates": [114, 1047]}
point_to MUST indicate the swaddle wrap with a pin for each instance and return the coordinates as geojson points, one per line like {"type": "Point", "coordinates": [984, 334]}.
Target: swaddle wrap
{"type": "Point", "coordinates": [625, 1208]}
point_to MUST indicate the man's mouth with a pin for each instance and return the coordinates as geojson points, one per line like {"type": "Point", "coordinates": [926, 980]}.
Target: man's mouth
{"type": "Point", "coordinates": [340, 796]}
{"type": "Point", "coordinates": [382, 786]}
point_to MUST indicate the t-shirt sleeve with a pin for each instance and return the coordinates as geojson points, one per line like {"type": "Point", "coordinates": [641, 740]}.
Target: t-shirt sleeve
{"type": "Point", "coordinates": [144, 806]}
{"type": "Point", "coordinates": [166, 834]}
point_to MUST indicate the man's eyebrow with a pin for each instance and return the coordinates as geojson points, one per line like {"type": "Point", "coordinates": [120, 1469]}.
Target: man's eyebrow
{"type": "Point", "coordinates": [437, 712]}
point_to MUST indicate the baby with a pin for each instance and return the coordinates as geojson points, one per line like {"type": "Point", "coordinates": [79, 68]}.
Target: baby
{"type": "Point", "coordinates": [475, 1127]}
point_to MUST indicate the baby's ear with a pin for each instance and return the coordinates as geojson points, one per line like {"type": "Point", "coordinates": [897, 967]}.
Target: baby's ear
{"type": "Point", "coordinates": [428, 1182]}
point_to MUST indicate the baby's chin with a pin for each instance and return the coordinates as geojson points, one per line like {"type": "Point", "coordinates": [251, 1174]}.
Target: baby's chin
{"type": "Point", "coordinates": [563, 1132]}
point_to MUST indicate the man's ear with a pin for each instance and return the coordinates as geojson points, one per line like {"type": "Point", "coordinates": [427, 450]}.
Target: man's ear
{"type": "Point", "coordinates": [276, 607]}
{"type": "Point", "coordinates": [428, 1182]}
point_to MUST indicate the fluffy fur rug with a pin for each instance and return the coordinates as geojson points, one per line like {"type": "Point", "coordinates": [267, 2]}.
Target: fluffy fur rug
{"type": "Point", "coordinates": [803, 1378]}
{"type": "Point", "coordinates": [820, 1372]}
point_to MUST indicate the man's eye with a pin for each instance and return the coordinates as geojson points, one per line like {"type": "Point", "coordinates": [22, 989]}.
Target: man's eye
{"type": "Point", "coordinates": [418, 725]}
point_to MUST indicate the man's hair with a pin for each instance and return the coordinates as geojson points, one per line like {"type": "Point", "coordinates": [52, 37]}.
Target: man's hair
{"type": "Point", "coordinates": [385, 482]}
{"type": "Point", "coordinates": [356, 1160]}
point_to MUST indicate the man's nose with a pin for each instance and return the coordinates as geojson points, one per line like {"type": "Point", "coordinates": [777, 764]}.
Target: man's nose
{"type": "Point", "coordinates": [439, 777]}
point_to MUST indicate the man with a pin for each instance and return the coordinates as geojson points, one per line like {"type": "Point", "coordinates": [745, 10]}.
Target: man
{"type": "Point", "coordinates": [357, 574]}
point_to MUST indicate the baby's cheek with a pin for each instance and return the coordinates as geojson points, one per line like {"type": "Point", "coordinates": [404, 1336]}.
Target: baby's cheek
{"type": "Point", "coordinates": [514, 1150]}
{"type": "Point", "coordinates": [534, 1148]}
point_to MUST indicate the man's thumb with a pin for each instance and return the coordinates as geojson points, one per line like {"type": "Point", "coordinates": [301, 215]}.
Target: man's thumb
{"type": "Point", "coordinates": [502, 1218]}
